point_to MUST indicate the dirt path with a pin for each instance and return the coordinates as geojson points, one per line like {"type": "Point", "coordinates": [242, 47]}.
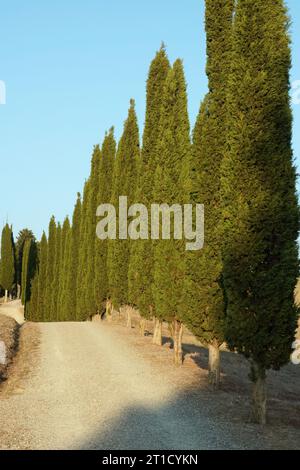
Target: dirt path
{"type": "Point", "coordinates": [14, 310]}
{"type": "Point", "coordinates": [93, 388]}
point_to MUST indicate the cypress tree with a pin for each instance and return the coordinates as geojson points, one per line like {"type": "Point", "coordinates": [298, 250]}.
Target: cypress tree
{"type": "Point", "coordinates": [29, 265]}
{"type": "Point", "coordinates": [124, 184]}
{"type": "Point", "coordinates": [89, 281]}
{"type": "Point", "coordinates": [205, 303]}
{"type": "Point", "coordinates": [81, 310]}
{"type": "Point", "coordinates": [259, 188]}
{"type": "Point", "coordinates": [40, 290]}
{"type": "Point", "coordinates": [50, 271]}
{"type": "Point", "coordinates": [23, 235]}
{"type": "Point", "coordinates": [101, 246]}
{"type": "Point", "coordinates": [7, 260]}
{"type": "Point", "coordinates": [174, 148]}
{"type": "Point", "coordinates": [56, 274]}
{"type": "Point", "coordinates": [24, 278]}
{"type": "Point", "coordinates": [70, 306]}
{"type": "Point", "coordinates": [64, 259]}
{"type": "Point", "coordinates": [141, 260]}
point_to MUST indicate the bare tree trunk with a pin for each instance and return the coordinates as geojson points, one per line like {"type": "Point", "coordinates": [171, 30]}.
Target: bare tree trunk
{"type": "Point", "coordinates": [18, 291]}
{"type": "Point", "coordinates": [159, 341]}
{"type": "Point", "coordinates": [178, 353]}
{"type": "Point", "coordinates": [6, 297]}
{"type": "Point", "coordinates": [214, 372]}
{"type": "Point", "coordinates": [109, 310]}
{"type": "Point", "coordinates": [142, 326]}
{"type": "Point", "coordinates": [157, 336]}
{"type": "Point", "coordinates": [129, 317]}
{"type": "Point", "coordinates": [259, 397]}
{"type": "Point", "coordinates": [154, 331]}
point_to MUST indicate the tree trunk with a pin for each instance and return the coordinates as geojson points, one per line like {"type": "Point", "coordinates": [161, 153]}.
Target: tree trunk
{"type": "Point", "coordinates": [6, 297]}
{"type": "Point", "coordinates": [109, 310]}
{"type": "Point", "coordinates": [214, 365]}
{"type": "Point", "coordinates": [157, 335]}
{"type": "Point", "coordinates": [259, 397]}
{"type": "Point", "coordinates": [129, 317]}
{"type": "Point", "coordinates": [178, 353]}
{"type": "Point", "coordinates": [18, 291]}
{"type": "Point", "coordinates": [142, 326]}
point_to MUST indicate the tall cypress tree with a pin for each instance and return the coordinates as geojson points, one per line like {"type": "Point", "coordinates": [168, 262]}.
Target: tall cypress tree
{"type": "Point", "coordinates": [24, 270]}
{"type": "Point", "coordinates": [7, 260]}
{"type": "Point", "coordinates": [56, 274]}
{"type": "Point", "coordinates": [259, 188]}
{"type": "Point", "coordinates": [70, 305]}
{"type": "Point", "coordinates": [205, 303]}
{"type": "Point", "coordinates": [23, 235]}
{"type": "Point", "coordinates": [41, 288]}
{"type": "Point", "coordinates": [29, 266]}
{"type": "Point", "coordinates": [104, 196]}
{"type": "Point", "coordinates": [62, 279]}
{"type": "Point", "coordinates": [124, 184]}
{"type": "Point", "coordinates": [90, 300]}
{"type": "Point", "coordinates": [81, 310]}
{"type": "Point", "coordinates": [50, 272]}
{"type": "Point", "coordinates": [141, 260]}
{"type": "Point", "coordinates": [174, 148]}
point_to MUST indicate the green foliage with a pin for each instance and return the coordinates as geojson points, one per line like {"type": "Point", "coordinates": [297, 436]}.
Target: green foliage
{"type": "Point", "coordinates": [259, 189]}
{"type": "Point", "coordinates": [7, 259]}
{"type": "Point", "coordinates": [29, 265]}
{"type": "Point", "coordinates": [174, 150]}
{"type": "Point", "coordinates": [204, 303]}
{"type": "Point", "coordinates": [72, 262]}
{"type": "Point", "coordinates": [23, 236]}
{"type": "Point", "coordinates": [40, 290]}
{"type": "Point", "coordinates": [50, 272]}
{"type": "Point", "coordinates": [63, 271]}
{"type": "Point", "coordinates": [81, 274]}
{"type": "Point", "coordinates": [90, 300]}
{"type": "Point", "coordinates": [141, 260]}
{"type": "Point", "coordinates": [124, 184]}
{"type": "Point", "coordinates": [104, 196]}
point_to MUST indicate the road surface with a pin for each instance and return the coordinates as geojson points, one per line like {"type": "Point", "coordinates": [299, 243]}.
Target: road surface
{"type": "Point", "coordinates": [92, 388]}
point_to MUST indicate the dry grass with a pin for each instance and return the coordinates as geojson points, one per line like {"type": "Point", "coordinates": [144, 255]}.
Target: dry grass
{"type": "Point", "coordinates": [9, 334]}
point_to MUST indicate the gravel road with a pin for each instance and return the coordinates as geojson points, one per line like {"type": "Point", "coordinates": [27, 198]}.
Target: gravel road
{"type": "Point", "coordinates": [14, 310]}
{"type": "Point", "coordinates": [92, 388]}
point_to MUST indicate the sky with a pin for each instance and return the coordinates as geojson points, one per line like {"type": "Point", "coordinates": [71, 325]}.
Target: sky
{"type": "Point", "coordinates": [70, 68]}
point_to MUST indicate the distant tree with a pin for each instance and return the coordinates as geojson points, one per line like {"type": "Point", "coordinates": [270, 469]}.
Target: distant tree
{"type": "Point", "coordinates": [124, 184]}
{"type": "Point", "coordinates": [23, 236]}
{"type": "Point", "coordinates": [50, 272]}
{"type": "Point", "coordinates": [40, 306]}
{"type": "Point", "coordinates": [63, 270]}
{"type": "Point", "coordinates": [89, 281]}
{"type": "Point", "coordinates": [81, 273]}
{"type": "Point", "coordinates": [7, 260]}
{"type": "Point", "coordinates": [171, 174]}
{"type": "Point", "coordinates": [71, 295]}
{"type": "Point", "coordinates": [259, 192]}
{"type": "Point", "coordinates": [56, 275]}
{"type": "Point", "coordinates": [29, 266]}
{"type": "Point", "coordinates": [101, 246]}
{"type": "Point", "coordinates": [141, 259]}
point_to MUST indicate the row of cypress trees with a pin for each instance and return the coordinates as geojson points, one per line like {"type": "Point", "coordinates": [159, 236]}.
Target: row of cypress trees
{"type": "Point", "coordinates": [239, 164]}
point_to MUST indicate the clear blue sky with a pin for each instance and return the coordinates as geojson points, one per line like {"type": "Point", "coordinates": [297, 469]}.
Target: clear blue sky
{"type": "Point", "coordinates": [70, 68]}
